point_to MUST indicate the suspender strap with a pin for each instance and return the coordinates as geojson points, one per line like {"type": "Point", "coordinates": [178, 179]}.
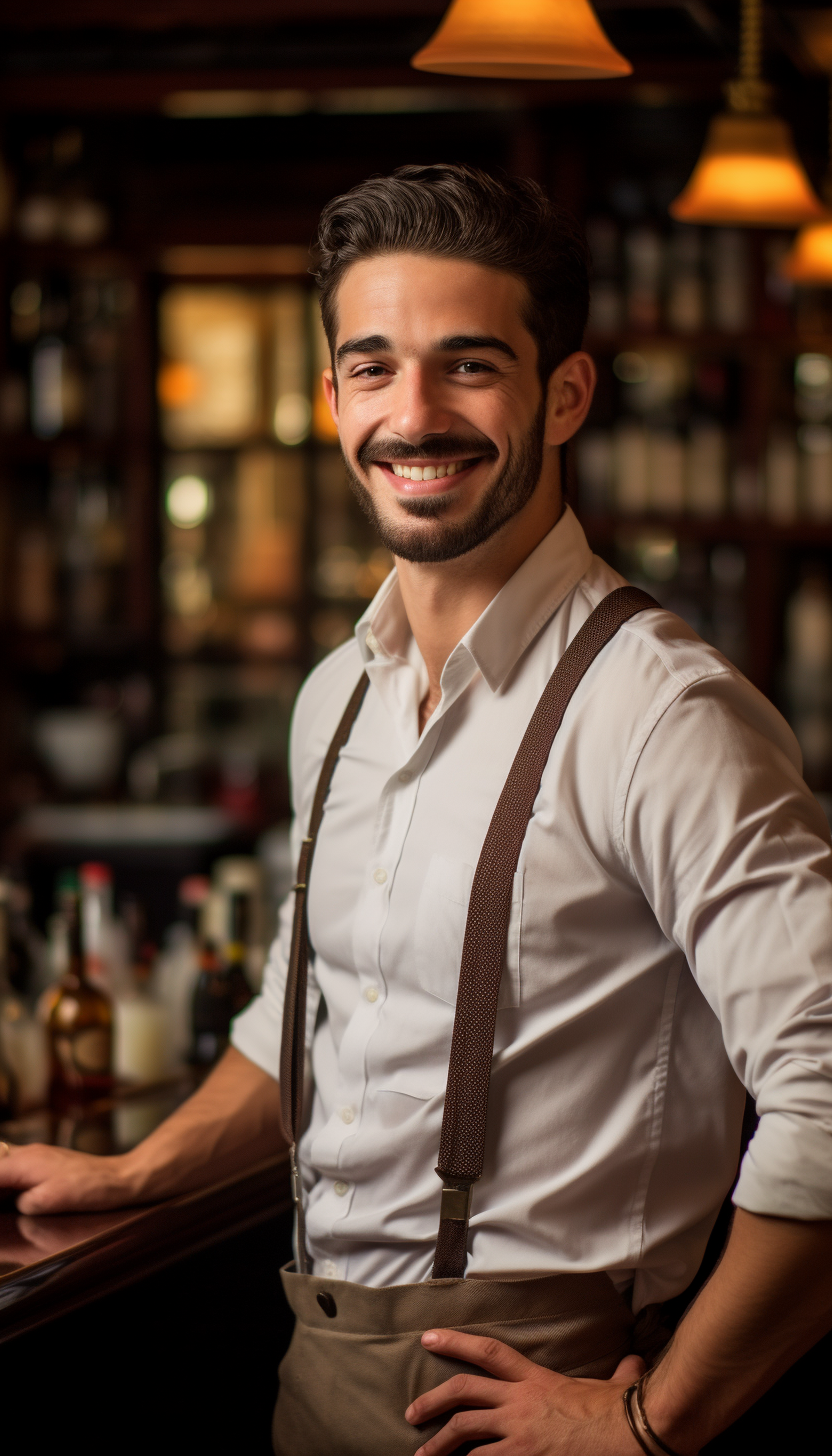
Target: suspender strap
{"type": "Point", "coordinates": [466, 1099]}
{"type": "Point", "coordinates": [293, 1044]}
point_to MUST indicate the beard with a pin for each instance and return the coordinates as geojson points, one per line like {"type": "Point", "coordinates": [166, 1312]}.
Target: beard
{"type": "Point", "coordinates": [445, 540]}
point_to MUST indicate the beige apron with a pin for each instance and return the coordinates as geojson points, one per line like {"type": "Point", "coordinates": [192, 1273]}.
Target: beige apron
{"type": "Point", "coordinates": [356, 1362]}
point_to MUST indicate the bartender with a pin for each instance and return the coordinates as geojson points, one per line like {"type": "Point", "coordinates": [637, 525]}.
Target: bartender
{"type": "Point", "coordinates": [669, 942]}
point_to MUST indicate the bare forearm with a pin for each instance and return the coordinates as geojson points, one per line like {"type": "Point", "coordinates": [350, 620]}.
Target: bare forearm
{"type": "Point", "coordinates": [231, 1121]}
{"type": "Point", "coordinates": [768, 1301]}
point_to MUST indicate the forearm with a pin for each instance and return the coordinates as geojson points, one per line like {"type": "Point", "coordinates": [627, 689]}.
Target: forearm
{"type": "Point", "coordinates": [231, 1121]}
{"type": "Point", "coordinates": [768, 1301]}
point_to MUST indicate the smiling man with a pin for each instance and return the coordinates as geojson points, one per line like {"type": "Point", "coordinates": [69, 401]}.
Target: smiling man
{"type": "Point", "coordinates": [659, 935]}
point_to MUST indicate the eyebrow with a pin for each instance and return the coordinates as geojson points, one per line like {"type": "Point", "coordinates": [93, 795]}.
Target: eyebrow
{"type": "Point", "coordinates": [455, 342]}
{"type": "Point", "coordinates": [370, 344]}
{"type": "Point", "coordinates": [376, 343]}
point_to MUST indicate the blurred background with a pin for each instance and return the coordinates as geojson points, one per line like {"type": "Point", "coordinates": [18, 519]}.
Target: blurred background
{"type": "Point", "coordinates": [178, 545]}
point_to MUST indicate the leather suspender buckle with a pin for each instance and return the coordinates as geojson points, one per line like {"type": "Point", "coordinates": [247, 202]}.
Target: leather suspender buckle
{"type": "Point", "coordinates": [456, 1202]}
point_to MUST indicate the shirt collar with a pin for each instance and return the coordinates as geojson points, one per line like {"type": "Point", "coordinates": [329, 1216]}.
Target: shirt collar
{"type": "Point", "coordinates": [509, 623]}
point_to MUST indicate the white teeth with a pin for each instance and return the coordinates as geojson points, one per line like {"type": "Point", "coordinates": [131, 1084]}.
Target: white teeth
{"type": "Point", "coordinates": [429, 472]}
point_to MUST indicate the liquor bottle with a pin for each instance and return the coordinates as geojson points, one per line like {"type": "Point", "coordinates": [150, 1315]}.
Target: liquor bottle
{"type": "Point", "coordinates": [236, 949]}
{"type": "Point", "coordinates": [8, 1001]}
{"type": "Point", "coordinates": [222, 989]}
{"type": "Point", "coordinates": [80, 1024]}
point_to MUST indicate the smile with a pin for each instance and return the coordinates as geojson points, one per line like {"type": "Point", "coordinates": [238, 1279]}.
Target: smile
{"type": "Point", "coordinates": [440, 471]}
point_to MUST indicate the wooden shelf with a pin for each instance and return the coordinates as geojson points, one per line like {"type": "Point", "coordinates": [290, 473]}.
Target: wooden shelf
{"type": "Point", "coordinates": [742, 529]}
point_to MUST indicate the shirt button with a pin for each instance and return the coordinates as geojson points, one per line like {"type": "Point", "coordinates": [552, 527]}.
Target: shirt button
{"type": "Point", "coordinates": [347, 1115]}
{"type": "Point", "coordinates": [405, 776]}
{"type": "Point", "coordinates": [371, 993]}
{"type": "Point", "coordinates": [380, 876]}
{"type": "Point", "coordinates": [372, 642]}
{"type": "Point", "coordinates": [341, 1188]}
{"type": "Point", "coordinates": [330, 1270]}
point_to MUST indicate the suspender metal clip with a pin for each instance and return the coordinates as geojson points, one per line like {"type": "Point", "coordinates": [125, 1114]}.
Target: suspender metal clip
{"type": "Point", "coordinates": [456, 1200]}
{"type": "Point", "coordinates": [297, 1186]}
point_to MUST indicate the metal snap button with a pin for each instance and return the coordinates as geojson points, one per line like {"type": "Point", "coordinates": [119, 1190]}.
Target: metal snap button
{"type": "Point", "coordinates": [327, 1304]}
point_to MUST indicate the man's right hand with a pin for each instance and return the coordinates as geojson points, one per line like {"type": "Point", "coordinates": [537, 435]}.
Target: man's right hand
{"type": "Point", "coordinates": [230, 1123]}
{"type": "Point", "coordinates": [57, 1180]}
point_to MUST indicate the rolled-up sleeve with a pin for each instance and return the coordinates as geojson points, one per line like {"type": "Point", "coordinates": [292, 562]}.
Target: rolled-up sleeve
{"type": "Point", "coordinates": [733, 853]}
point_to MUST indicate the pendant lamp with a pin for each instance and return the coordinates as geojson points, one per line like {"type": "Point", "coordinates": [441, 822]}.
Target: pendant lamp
{"type": "Point", "coordinates": [522, 39]}
{"type": "Point", "coordinates": [749, 173]}
{"type": "Point", "coordinates": [809, 260]}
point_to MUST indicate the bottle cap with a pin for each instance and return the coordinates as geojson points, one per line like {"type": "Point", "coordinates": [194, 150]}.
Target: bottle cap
{"type": "Point", "coordinates": [94, 875]}
{"type": "Point", "coordinates": [194, 890]}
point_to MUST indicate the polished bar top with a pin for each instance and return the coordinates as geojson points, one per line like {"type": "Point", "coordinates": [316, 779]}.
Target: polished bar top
{"type": "Point", "coordinates": [50, 1265]}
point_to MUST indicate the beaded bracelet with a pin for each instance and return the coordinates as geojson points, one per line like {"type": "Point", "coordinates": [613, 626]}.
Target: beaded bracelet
{"type": "Point", "coordinates": [639, 1424]}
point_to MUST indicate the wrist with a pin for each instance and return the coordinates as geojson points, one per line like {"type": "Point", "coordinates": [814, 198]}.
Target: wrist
{"type": "Point", "coordinates": [654, 1433]}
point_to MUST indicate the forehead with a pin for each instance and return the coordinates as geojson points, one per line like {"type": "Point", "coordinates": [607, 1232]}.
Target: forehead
{"type": "Point", "coordinates": [417, 297]}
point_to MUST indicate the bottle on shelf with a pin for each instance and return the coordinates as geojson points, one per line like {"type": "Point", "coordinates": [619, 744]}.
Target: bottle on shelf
{"type": "Point", "coordinates": [141, 1021]}
{"type": "Point", "coordinates": [9, 1006]}
{"type": "Point", "coordinates": [80, 1023]}
{"type": "Point", "coordinates": [178, 965]}
{"type": "Point", "coordinates": [23, 1050]}
{"type": "Point", "coordinates": [106, 941]}
{"type": "Point", "coordinates": [222, 989]}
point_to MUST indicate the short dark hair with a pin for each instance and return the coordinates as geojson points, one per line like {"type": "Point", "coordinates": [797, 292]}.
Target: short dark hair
{"type": "Point", "coordinates": [454, 211]}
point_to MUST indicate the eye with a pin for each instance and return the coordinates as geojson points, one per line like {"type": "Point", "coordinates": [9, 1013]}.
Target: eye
{"type": "Point", "coordinates": [369, 371]}
{"type": "Point", "coordinates": [473, 366]}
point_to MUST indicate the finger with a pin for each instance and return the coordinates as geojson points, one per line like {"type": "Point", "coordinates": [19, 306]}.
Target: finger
{"type": "Point", "coordinates": [464, 1426]}
{"type": "Point", "coordinates": [495, 1357]}
{"type": "Point", "coordinates": [631, 1368]}
{"type": "Point", "coordinates": [475, 1390]}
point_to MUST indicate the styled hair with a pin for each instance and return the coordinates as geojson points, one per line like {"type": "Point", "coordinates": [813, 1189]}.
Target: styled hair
{"type": "Point", "coordinates": [454, 211]}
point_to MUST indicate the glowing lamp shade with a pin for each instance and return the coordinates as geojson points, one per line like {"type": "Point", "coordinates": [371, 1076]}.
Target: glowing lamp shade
{"type": "Point", "coordinates": [749, 174]}
{"type": "Point", "coordinates": [809, 260]}
{"type": "Point", "coordinates": [522, 39]}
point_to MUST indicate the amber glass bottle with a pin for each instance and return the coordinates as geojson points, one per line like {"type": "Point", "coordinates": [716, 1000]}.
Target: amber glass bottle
{"type": "Point", "coordinates": [80, 1024]}
{"type": "Point", "coordinates": [222, 989]}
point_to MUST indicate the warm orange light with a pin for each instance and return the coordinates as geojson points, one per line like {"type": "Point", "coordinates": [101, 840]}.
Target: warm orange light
{"type": "Point", "coordinates": [750, 175]}
{"type": "Point", "coordinates": [521, 39]}
{"type": "Point", "coordinates": [809, 260]}
{"type": "Point", "coordinates": [178, 385]}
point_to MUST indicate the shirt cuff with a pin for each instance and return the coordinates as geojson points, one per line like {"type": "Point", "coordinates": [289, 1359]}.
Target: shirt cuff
{"type": "Point", "coordinates": [254, 1034]}
{"type": "Point", "coordinates": [787, 1171]}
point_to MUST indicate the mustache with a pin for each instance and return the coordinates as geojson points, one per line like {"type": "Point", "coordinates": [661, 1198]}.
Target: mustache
{"type": "Point", "coordinates": [374, 451]}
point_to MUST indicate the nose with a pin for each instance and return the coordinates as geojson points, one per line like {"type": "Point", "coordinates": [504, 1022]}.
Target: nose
{"type": "Point", "coordinates": [416, 408]}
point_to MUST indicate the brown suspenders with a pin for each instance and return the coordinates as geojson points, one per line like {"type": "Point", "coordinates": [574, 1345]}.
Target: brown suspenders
{"type": "Point", "coordinates": [462, 1142]}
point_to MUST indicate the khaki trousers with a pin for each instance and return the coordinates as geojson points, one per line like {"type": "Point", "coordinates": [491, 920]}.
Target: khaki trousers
{"type": "Point", "coordinates": [349, 1374]}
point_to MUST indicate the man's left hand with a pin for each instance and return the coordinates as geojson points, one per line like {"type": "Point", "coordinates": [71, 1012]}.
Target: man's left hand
{"type": "Point", "coordinates": [523, 1407]}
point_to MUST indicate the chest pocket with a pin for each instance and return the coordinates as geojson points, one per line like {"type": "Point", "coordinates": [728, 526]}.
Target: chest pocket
{"type": "Point", "coordinates": [440, 931]}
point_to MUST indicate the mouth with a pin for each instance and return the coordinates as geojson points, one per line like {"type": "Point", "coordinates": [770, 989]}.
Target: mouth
{"type": "Point", "coordinates": [426, 473]}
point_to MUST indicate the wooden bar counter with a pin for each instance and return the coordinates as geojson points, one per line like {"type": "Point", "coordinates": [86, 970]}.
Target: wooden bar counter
{"type": "Point", "coordinates": [178, 1302]}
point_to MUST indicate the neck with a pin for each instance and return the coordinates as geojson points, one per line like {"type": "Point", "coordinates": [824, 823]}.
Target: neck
{"type": "Point", "coordinates": [443, 599]}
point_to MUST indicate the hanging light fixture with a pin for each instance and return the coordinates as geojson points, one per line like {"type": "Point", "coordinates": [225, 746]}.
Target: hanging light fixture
{"type": "Point", "coordinates": [522, 39]}
{"type": "Point", "coordinates": [809, 260]}
{"type": "Point", "coordinates": [749, 173]}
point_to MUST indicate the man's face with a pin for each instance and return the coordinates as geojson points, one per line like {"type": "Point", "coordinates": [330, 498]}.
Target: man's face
{"type": "Point", "coordinates": [438, 402]}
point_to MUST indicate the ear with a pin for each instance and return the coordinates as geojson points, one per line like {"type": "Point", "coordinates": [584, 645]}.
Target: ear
{"type": "Point", "coordinates": [331, 394]}
{"type": "Point", "coordinates": [568, 397]}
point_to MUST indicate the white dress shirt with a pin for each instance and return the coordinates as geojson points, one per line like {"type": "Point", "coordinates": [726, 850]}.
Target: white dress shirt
{"type": "Point", "coordinates": [670, 940]}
